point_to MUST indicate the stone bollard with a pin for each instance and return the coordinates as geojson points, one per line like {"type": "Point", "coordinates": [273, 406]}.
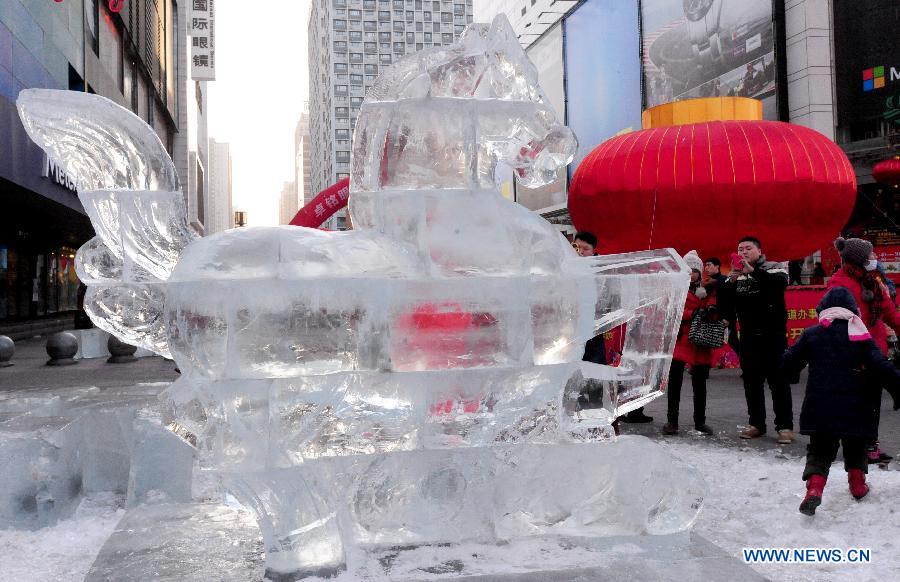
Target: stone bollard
{"type": "Point", "coordinates": [62, 347]}
{"type": "Point", "coordinates": [7, 349]}
{"type": "Point", "coordinates": [119, 351]}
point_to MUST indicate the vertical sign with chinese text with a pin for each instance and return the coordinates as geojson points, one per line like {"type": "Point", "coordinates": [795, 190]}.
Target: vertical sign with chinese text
{"type": "Point", "coordinates": [202, 30]}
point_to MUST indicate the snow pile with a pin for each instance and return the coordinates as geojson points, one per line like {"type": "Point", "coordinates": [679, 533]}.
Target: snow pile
{"type": "Point", "coordinates": [752, 503]}
{"type": "Point", "coordinates": [64, 551]}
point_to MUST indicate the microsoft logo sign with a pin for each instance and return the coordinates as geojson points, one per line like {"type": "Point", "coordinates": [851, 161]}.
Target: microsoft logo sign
{"type": "Point", "coordinates": [874, 77]}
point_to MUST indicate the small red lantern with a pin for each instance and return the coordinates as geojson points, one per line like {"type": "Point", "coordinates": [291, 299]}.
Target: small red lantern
{"type": "Point", "coordinates": [887, 172]}
{"type": "Point", "coordinates": [704, 185]}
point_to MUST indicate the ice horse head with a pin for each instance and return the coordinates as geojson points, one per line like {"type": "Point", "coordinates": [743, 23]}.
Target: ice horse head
{"type": "Point", "coordinates": [413, 381]}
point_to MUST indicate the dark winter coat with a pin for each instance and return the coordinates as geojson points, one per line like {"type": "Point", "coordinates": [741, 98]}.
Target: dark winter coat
{"type": "Point", "coordinates": [837, 401]}
{"type": "Point", "coordinates": [757, 300]}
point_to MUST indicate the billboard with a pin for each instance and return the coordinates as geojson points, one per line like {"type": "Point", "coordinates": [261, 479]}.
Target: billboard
{"type": "Point", "coordinates": [867, 68]}
{"type": "Point", "coordinates": [603, 72]}
{"type": "Point", "coordinates": [709, 48]}
{"type": "Point", "coordinates": [547, 56]}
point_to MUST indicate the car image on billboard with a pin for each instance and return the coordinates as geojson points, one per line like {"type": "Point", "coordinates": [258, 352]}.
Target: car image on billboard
{"type": "Point", "coordinates": [708, 48]}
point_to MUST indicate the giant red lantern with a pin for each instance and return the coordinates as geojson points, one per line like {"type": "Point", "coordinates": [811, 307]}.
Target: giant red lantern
{"type": "Point", "coordinates": [887, 172]}
{"type": "Point", "coordinates": [704, 185]}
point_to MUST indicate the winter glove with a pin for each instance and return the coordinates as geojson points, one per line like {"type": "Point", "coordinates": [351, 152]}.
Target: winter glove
{"type": "Point", "coordinates": [700, 292]}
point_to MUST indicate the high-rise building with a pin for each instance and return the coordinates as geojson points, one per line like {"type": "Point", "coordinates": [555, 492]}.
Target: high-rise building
{"type": "Point", "coordinates": [349, 42]}
{"type": "Point", "coordinates": [302, 162]}
{"type": "Point", "coordinates": [287, 205]}
{"type": "Point", "coordinates": [220, 212]}
{"type": "Point", "coordinates": [132, 57]}
{"type": "Point", "coordinates": [529, 18]}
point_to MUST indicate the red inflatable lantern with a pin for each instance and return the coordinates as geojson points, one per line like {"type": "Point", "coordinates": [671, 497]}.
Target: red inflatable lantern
{"type": "Point", "coordinates": [704, 185]}
{"type": "Point", "coordinates": [887, 172]}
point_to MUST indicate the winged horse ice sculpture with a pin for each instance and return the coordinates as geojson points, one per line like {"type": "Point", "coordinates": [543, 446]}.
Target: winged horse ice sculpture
{"type": "Point", "coordinates": [413, 381]}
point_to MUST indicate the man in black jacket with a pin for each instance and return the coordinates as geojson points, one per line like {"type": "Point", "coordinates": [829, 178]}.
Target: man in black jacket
{"type": "Point", "coordinates": [754, 295]}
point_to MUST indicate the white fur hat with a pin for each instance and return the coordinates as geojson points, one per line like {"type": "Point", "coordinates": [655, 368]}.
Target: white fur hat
{"type": "Point", "coordinates": [693, 261]}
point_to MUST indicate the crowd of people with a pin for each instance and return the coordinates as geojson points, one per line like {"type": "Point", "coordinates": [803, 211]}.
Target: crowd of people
{"type": "Point", "coordinates": [846, 353]}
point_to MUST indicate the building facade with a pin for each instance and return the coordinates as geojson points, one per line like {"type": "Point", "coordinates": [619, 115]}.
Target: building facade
{"type": "Point", "coordinates": [131, 57]}
{"type": "Point", "coordinates": [302, 161]}
{"type": "Point", "coordinates": [350, 41]}
{"type": "Point", "coordinates": [288, 204]}
{"type": "Point", "coordinates": [220, 212]}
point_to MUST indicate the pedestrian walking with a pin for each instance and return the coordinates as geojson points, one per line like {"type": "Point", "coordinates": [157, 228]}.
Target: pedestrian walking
{"type": "Point", "coordinates": [754, 294]}
{"type": "Point", "coordinates": [859, 275]}
{"type": "Point", "coordinates": [836, 410]}
{"type": "Point", "coordinates": [699, 303]}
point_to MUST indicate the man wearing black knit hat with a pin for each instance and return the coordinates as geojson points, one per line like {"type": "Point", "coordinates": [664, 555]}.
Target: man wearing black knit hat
{"type": "Point", "coordinates": [754, 294]}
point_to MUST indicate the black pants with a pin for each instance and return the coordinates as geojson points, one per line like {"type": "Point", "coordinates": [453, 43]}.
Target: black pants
{"type": "Point", "coordinates": [822, 451]}
{"type": "Point", "coordinates": [699, 375]}
{"type": "Point", "coordinates": [761, 363]}
{"type": "Point", "coordinates": [875, 397]}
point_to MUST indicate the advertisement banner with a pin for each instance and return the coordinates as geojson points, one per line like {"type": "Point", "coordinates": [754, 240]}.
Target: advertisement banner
{"type": "Point", "coordinates": [202, 30]}
{"type": "Point", "coordinates": [324, 205]}
{"type": "Point", "coordinates": [603, 79]}
{"type": "Point", "coordinates": [709, 48]}
{"type": "Point", "coordinates": [801, 309]}
{"type": "Point", "coordinates": [889, 257]}
{"type": "Point", "coordinates": [867, 66]}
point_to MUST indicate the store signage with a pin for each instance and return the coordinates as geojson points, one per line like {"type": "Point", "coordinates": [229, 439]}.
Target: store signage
{"type": "Point", "coordinates": [202, 30]}
{"type": "Point", "coordinates": [876, 77]}
{"type": "Point", "coordinates": [114, 5]}
{"type": "Point", "coordinates": [57, 175]}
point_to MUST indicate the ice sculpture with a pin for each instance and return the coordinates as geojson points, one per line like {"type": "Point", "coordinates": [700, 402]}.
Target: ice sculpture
{"type": "Point", "coordinates": [413, 381]}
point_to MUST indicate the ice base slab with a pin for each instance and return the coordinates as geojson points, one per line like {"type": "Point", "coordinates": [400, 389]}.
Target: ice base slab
{"type": "Point", "coordinates": [175, 542]}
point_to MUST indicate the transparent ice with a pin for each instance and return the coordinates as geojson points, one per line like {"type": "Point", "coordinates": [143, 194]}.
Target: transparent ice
{"type": "Point", "coordinates": [415, 380]}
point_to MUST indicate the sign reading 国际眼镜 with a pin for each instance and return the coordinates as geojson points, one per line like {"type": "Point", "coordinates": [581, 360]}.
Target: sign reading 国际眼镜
{"type": "Point", "coordinates": [202, 29]}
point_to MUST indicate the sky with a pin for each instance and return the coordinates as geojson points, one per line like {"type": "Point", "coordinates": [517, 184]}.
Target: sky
{"type": "Point", "coordinates": [256, 99]}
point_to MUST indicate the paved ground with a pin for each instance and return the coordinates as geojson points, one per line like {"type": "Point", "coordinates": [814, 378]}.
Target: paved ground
{"type": "Point", "coordinates": [726, 413]}
{"type": "Point", "coordinates": [30, 370]}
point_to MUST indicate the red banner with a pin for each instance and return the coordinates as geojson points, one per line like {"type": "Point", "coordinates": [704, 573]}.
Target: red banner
{"type": "Point", "coordinates": [801, 309]}
{"type": "Point", "coordinates": [324, 205]}
{"type": "Point", "coordinates": [889, 257]}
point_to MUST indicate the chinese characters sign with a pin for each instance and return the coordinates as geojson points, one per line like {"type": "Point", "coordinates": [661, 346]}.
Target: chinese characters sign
{"type": "Point", "coordinates": [801, 310]}
{"type": "Point", "coordinates": [326, 203]}
{"type": "Point", "coordinates": [202, 29]}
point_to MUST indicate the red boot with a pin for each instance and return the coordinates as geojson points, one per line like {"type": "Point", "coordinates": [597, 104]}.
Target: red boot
{"type": "Point", "coordinates": [814, 487]}
{"type": "Point", "coordinates": [857, 480]}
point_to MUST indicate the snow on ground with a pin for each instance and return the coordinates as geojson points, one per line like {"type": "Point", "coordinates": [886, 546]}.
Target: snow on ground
{"type": "Point", "coordinates": [752, 503]}
{"type": "Point", "coordinates": [64, 552]}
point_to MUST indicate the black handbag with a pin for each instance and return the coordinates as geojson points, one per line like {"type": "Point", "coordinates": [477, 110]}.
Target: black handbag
{"type": "Point", "coordinates": [706, 333]}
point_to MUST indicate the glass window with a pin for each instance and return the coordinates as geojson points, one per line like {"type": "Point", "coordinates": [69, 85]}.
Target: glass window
{"type": "Point", "coordinates": [371, 47]}
{"type": "Point", "coordinates": [356, 35]}
{"type": "Point", "coordinates": [369, 26]}
{"type": "Point", "coordinates": [356, 79]}
{"type": "Point", "coordinates": [372, 69]}
{"type": "Point", "coordinates": [410, 38]}
{"type": "Point", "coordinates": [384, 59]}
{"type": "Point", "coordinates": [427, 16]}
{"type": "Point", "coordinates": [340, 89]}
{"type": "Point", "coordinates": [340, 46]}
{"type": "Point", "coordinates": [384, 16]}
{"type": "Point", "coordinates": [340, 67]}
{"type": "Point", "coordinates": [384, 37]}
{"type": "Point", "coordinates": [356, 57]}
{"type": "Point", "coordinates": [436, 26]}
{"type": "Point", "coordinates": [399, 48]}
{"type": "Point", "coordinates": [418, 27]}
{"type": "Point", "coordinates": [446, 17]}
{"type": "Point", "coordinates": [427, 37]}
{"type": "Point", "coordinates": [354, 14]}
{"type": "Point", "coordinates": [460, 9]}
{"type": "Point", "coordinates": [447, 38]}
{"type": "Point", "coordinates": [399, 26]}
{"type": "Point", "coordinates": [340, 24]}
{"type": "Point", "coordinates": [341, 112]}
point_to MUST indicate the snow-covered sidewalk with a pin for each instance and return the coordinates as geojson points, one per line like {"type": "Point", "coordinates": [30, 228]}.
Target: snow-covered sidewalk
{"type": "Point", "coordinates": [752, 503]}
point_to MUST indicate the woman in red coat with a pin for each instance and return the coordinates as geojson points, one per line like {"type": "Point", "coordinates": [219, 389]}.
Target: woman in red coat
{"type": "Point", "coordinates": [688, 354]}
{"type": "Point", "coordinates": [859, 275]}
